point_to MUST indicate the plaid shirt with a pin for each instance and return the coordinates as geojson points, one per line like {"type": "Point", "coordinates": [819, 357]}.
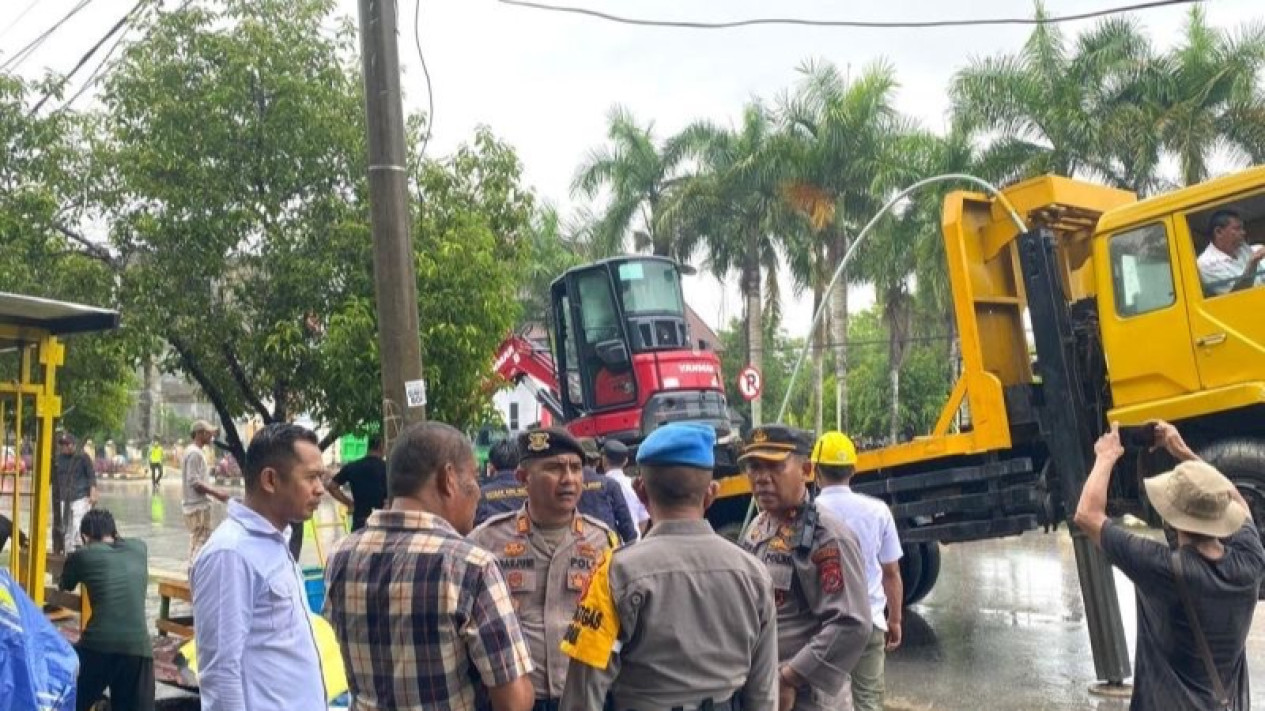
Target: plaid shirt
{"type": "Point", "coordinates": [424, 619]}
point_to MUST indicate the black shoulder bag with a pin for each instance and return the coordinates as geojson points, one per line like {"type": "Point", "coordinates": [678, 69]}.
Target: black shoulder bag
{"type": "Point", "coordinates": [1210, 666]}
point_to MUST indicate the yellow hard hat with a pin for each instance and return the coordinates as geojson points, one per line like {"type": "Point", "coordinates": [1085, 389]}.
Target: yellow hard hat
{"type": "Point", "coordinates": [835, 449]}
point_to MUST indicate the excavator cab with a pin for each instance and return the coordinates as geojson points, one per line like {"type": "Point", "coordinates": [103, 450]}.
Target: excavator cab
{"type": "Point", "coordinates": [623, 353]}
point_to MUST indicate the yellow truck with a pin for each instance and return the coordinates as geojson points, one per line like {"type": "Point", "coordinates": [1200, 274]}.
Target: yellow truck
{"type": "Point", "coordinates": [1107, 291]}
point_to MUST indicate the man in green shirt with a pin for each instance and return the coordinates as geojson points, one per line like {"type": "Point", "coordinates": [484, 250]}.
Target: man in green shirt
{"type": "Point", "coordinates": [114, 651]}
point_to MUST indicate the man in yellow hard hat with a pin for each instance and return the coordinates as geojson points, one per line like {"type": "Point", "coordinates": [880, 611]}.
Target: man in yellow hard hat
{"type": "Point", "coordinates": [834, 461]}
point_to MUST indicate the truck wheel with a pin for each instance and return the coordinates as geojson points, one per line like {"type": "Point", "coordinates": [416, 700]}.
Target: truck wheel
{"type": "Point", "coordinates": [1242, 460]}
{"type": "Point", "coordinates": [911, 572]}
{"type": "Point", "coordinates": [930, 571]}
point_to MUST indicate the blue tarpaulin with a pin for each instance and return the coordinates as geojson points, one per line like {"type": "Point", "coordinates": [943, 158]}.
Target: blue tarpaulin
{"type": "Point", "coordinates": [37, 665]}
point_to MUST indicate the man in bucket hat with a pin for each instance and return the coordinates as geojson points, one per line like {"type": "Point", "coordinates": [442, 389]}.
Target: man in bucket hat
{"type": "Point", "coordinates": [1219, 562]}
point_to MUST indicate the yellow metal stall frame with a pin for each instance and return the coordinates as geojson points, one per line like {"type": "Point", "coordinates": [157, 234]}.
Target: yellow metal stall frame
{"type": "Point", "coordinates": [32, 352]}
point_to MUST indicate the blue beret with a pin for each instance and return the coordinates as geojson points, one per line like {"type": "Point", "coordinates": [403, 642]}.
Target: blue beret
{"type": "Point", "coordinates": [679, 443]}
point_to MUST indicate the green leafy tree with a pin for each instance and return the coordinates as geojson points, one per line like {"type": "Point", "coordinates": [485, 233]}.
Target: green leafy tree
{"type": "Point", "coordinates": [234, 150]}
{"type": "Point", "coordinates": [1068, 107]}
{"type": "Point", "coordinates": [42, 178]}
{"type": "Point", "coordinates": [732, 209]}
{"type": "Point", "coordinates": [639, 175]}
{"type": "Point", "coordinates": [1206, 95]}
{"type": "Point", "coordinates": [843, 148]}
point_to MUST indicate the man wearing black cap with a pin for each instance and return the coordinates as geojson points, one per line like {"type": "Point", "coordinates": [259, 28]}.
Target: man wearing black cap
{"type": "Point", "coordinates": [547, 550]}
{"type": "Point", "coordinates": [823, 610]}
{"type": "Point", "coordinates": [614, 457]}
{"type": "Point", "coordinates": [603, 499]}
{"type": "Point", "coordinates": [684, 619]}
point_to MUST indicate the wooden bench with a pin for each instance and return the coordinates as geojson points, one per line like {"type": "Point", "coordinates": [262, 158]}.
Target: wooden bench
{"type": "Point", "coordinates": [61, 605]}
{"type": "Point", "coordinates": [169, 588]}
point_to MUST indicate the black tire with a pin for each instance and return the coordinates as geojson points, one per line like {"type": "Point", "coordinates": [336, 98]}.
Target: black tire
{"type": "Point", "coordinates": [930, 553]}
{"type": "Point", "coordinates": [1242, 460]}
{"type": "Point", "coordinates": [911, 572]}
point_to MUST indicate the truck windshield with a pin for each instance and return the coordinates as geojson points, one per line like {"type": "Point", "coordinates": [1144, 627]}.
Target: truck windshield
{"type": "Point", "coordinates": [650, 287]}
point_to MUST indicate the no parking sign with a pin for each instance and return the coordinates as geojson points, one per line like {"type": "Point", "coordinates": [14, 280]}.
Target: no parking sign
{"type": "Point", "coordinates": [750, 383]}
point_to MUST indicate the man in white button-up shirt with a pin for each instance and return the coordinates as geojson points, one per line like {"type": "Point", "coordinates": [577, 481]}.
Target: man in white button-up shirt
{"type": "Point", "coordinates": [1229, 263]}
{"type": "Point", "coordinates": [256, 646]}
{"type": "Point", "coordinates": [834, 461]}
{"type": "Point", "coordinates": [614, 457]}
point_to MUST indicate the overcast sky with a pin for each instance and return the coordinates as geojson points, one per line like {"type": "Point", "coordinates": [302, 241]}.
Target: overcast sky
{"type": "Point", "coordinates": [544, 82]}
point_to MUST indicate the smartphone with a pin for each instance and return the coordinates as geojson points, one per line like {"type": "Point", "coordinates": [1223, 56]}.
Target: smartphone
{"type": "Point", "coordinates": [1135, 437]}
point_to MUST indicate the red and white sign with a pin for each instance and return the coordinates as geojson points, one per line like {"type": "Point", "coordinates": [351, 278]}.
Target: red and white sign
{"type": "Point", "coordinates": [749, 383]}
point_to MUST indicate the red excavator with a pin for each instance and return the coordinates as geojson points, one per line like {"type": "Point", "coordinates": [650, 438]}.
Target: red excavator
{"type": "Point", "coordinates": [622, 343]}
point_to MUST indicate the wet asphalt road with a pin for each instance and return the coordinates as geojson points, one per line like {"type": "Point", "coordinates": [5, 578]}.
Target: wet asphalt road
{"type": "Point", "coordinates": [1003, 629]}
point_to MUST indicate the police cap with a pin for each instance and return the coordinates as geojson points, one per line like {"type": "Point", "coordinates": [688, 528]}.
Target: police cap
{"type": "Point", "coordinates": [547, 442]}
{"type": "Point", "coordinates": [614, 448]}
{"type": "Point", "coordinates": [776, 442]}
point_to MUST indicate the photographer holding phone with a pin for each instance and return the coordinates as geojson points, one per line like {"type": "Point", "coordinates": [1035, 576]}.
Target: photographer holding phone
{"type": "Point", "coordinates": [1195, 603]}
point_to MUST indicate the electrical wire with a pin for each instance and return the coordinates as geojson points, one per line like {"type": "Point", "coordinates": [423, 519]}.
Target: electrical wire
{"type": "Point", "coordinates": [23, 54]}
{"type": "Point", "coordinates": [804, 22]}
{"type": "Point", "coordinates": [115, 29]}
{"type": "Point", "coordinates": [18, 19]}
{"type": "Point", "coordinates": [100, 72]}
{"type": "Point", "coordinates": [95, 76]}
{"type": "Point", "coordinates": [430, 95]}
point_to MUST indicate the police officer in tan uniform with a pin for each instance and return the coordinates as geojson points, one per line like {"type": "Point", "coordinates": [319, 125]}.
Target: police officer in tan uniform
{"type": "Point", "coordinates": [823, 611]}
{"type": "Point", "coordinates": [547, 551]}
{"type": "Point", "coordinates": [682, 620]}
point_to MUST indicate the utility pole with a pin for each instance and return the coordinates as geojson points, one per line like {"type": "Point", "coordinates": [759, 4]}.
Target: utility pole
{"type": "Point", "coordinates": [395, 276]}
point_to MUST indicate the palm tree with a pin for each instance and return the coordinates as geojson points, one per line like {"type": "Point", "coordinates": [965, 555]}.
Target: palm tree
{"type": "Point", "coordinates": [1206, 94]}
{"type": "Point", "coordinates": [1063, 107]}
{"type": "Point", "coordinates": [841, 153]}
{"type": "Point", "coordinates": [639, 175]}
{"type": "Point", "coordinates": [732, 209]}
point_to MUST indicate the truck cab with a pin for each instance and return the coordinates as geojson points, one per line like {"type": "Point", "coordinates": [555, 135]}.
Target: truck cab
{"type": "Point", "coordinates": [1185, 342]}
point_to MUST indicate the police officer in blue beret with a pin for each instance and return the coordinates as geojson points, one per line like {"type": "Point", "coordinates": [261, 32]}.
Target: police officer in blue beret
{"type": "Point", "coordinates": [682, 599]}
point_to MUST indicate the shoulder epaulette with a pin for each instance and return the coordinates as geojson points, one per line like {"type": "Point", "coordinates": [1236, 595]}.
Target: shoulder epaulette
{"type": "Point", "coordinates": [499, 517]}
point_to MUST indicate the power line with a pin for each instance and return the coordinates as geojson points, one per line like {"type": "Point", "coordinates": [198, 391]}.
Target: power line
{"type": "Point", "coordinates": [23, 54]}
{"type": "Point", "coordinates": [796, 347]}
{"type": "Point", "coordinates": [88, 55]}
{"type": "Point", "coordinates": [18, 19]}
{"type": "Point", "coordinates": [804, 22]}
{"type": "Point", "coordinates": [95, 76]}
{"type": "Point", "coordinates": [430, 95]}
{"type": "Point", "coordinates": [99, 73]}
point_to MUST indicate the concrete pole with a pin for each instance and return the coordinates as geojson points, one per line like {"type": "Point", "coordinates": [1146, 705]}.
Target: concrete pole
{"type": "Point", "coordinates": [395, 276]}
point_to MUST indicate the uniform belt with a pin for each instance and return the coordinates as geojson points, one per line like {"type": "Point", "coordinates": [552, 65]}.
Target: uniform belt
{"type": "Point", "coordinates": [731, 704]}
{"type": "Point", "coordinates": [546, 705]}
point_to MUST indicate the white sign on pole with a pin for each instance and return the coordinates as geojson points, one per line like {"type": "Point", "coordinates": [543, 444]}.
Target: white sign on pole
{"type": "Point", "coordinates": [750, 383]}
{"type": "Point", "coordinates": [415, 393]}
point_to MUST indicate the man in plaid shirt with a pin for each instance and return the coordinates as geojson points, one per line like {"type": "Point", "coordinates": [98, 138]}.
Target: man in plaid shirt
{"type": "Point", "coordinates": [424, 619]}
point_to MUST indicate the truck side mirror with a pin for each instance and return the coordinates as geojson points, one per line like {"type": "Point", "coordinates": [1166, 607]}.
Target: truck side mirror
{"type": "Point", "coordinates": [613, 354]}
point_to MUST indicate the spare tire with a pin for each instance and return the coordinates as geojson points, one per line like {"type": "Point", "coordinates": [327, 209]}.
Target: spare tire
{"type": "Point", "coordinates": [1242, 461]}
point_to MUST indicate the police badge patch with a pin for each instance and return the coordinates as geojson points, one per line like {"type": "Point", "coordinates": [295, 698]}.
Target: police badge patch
{"type": "Point", "coordinates": [829, 568]}
{"type": "Point", "coordinates": [537, 441]}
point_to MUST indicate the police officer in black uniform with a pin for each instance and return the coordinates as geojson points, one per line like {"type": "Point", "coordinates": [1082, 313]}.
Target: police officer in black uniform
{"type": "Point", "coordinates": [502, 492]}
{"type": "Point", "coordinates": [603, 497]}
